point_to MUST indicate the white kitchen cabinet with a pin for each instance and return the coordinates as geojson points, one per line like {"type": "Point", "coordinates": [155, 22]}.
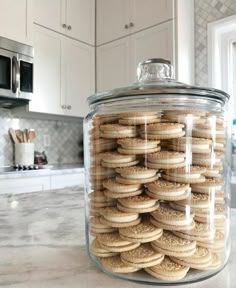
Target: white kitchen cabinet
{"type": "Point", "coordinates": [80, 20]}
{"type": "Point", "coordinates": [24, 185]}
{"type": "Point", "coordinates": [79, 76]}
{"type": "Point", "coordinates": [117, 61]}
{"type": "Point", "coordinates": [64, 74]}
{"type": "Point", "coordinates": [116, 19]}
{"type": "Point", "coordinates": [113, 68]}
{"type": "Point", "coordinates": [48, 49]}
{"type": "Point", "coordinates": [74, 18]}
{"type": "Point", "coordinates": [16, 21]}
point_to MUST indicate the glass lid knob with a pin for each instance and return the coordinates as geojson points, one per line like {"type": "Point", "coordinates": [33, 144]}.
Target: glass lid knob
{"type": "Point", "coordinates": [155, 69]}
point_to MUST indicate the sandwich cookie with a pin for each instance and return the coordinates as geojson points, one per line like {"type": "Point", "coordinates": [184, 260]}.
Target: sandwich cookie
{"type": "Point", "coordinates": [140, 204]}
{"type": "Point", "coordinates": [136, 175]}
{"type": "Point", "coordinates": [137, 146]}
{"type": "Point", "coordinates": [208, 131]}
{"type": "Point", "coordinates": [215, 216]}
{"type": "Point", "coordinates": [172, 245]}
{"type": "Point", "coordinates": [168, 270]}
{"type": "Point", "coordinates": [116, 265]}
{"type": "Point", "coordinates": [216, 245]}
{"type": "Point", "coordinates": [98, 251]}
{"type": "Point", "coordinates": [99, 119]}
{"type": "Point", "coordinates": [201, 259]}
{"type": "Point", "coordinates": [214, 171]}
{"type": "Point", "coordinates": [114, 131]}
{"type": "Point", "coordinates": [144, 232]}
{"type": "Point", "coordinates": [185, 208]}
{"type": "Point", "coordinates": [166, 160]}
{"type": "Point", "coordinates": [209, 187]}
{"type": "Point", "coordinates": [185, 116]}
{"type": "Point", "coordinates": [168, 218]}
{"type": "Point", "coordinates": [96, 159]}
{"type": "Point", "coordinates": [118, 190]}
{"type": "Point", "coordinates": [96, 184]}
{"type": "Point", "coordinates": [112, 242]}
{"type": "Point", "coordinates": [189, 112]}
{"type": "Point", "coordinates": [215, 262]}
{"type": "Point", "coordinates": [142, 257]}
{"type": "Point", "coordinates": [218, 145]}
{"type": "Point", "coordinates": [207, 160]}
{"type": "Point", "coordinates": [166, 190]}
{"type": "Point", "coordinates": [189, 175]}
{"type": "Point", "coordinates": [201, 232]}
{"type": "Point", "coordinates": [160, 131]}
{"type": "Point", "coordinates": [101, 173]}
{"type": "Point", "coordinates": [98, 199]}
{"type": "Point", "coordinates": [197, 200]}
{"type": "Point", "coordinates": [190, 144]}
{"type": "Point", "coordinates": [113, 217]}
{"type": "Point", "coordinates": [102, 145]}
{"type": "Point", "coordinates": [96, 227]}
{"type": "Point", "coordinates": [140, 117]}
{"type": "Point", "coordinates": [115, 160]}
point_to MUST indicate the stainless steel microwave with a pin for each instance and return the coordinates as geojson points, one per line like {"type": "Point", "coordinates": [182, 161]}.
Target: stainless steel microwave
{"type": "Point", "coordinates": [16, 72]}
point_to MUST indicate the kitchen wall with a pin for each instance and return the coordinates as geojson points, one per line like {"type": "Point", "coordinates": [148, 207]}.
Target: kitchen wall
{"type": "Point", "coordinates": [207, 11]}
{"type": "Point", "coordinates": [66, 138]}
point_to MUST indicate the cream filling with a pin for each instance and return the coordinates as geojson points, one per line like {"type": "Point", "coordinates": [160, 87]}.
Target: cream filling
{"type": "Point", "coordinates": [168, 193]}
{"type": "Point", "coordinates": [127, 189]}
{"type": "Point", "coordinates": [167, 161]}
{"type": "Point", "coordinates": [196, 146]}
{"type": "Point", "coordinates": [199, 205]}
{"type": "Point", "coordinates": [212, 171]}
{"type": "Point", "coordinates": [186, 176]}
{"type": "Point", "coordinates": [168, 131]}
{"type": "Point", "coordinates": [139, 176]}
{"type": "Point", "coordinates": [148, 117]}
{"type": "Point", "coordinates": [121, 219]}
{"type": "Point", "coordinates": [126, 160]}
{"type": "Point", "coordinates": [209, 189]}
{"type": "Point", "coordinates": [211, 216]}
{"type": "Point", "coordinates": [118, 131]}
{"type": "Point", "coordinates": [219, 145]}
{"type": "Point", "coordinates": [180, 222]}
{"type": "Point", "coordinates": [212, 132]}
{"type": "Point", "coordinates": [138, 205]}
{"type": "Point", "coordinates": [144, 146]}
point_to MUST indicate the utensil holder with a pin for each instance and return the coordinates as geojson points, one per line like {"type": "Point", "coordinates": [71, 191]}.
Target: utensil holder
{"type": "Point", "coordinates": [24, 153]}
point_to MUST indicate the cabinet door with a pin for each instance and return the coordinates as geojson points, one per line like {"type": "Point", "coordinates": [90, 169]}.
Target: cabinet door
{"type": "Point", "coordinates": [48, 47]}
{"type": "Point", "coordinates": [112, 16]}
{"type": "Point", "coordinates": [50, 15]}
{"type": "Point", "coordinates": [13, 20]}
{"type": "Point", "coordinates": [80, 20]}
{"type": "Point", "coordinates": [113, 68]}
{"type": "Point", "coordinates": [150, 12]}
{"type": "Point", "coordinates": [79, 75]}
{"type": "Point", "coordinates": [156, 42]}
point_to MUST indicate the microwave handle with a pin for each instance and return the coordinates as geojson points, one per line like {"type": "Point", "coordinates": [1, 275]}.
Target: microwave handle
{"type": "Point", "coordinates": [15, 74]}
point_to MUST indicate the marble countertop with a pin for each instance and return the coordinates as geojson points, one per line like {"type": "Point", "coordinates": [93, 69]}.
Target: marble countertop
{"type": "Point", "coordinates": [42, 245]}
{"type": "Point", "coordinates": [55, 169]}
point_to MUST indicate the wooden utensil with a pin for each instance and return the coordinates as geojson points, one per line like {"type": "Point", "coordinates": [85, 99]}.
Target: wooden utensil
{"type": "Point", "coordinates": [25, 136]}
{"type": "Point", "coordinates": [20, 135]}
{"type": "Point", "coordinates": [31, 135]}
{"type": "Point", "coordinates": [13, 135]}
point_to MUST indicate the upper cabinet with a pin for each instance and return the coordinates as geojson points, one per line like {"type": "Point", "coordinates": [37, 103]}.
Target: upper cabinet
{"type": "Point", "coordinates": [116, 19]}
{"type": "Point", "coordinates": [74, 18]}
{"type": "Point", "coordinates": [16, 21]}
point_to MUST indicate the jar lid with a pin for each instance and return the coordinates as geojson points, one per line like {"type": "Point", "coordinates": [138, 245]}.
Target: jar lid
{"type": "Point", "coordinates": [156, 76]}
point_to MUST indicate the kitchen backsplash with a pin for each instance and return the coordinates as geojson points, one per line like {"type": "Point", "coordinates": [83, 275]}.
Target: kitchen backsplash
{"type": "Point", "coordinates": [207, 11]}
{"type": "Point", "coordinates": [66, 138]}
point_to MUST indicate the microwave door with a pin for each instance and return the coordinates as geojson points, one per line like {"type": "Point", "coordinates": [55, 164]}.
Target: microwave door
{"type": "Point", "coordinates": [15, 74]}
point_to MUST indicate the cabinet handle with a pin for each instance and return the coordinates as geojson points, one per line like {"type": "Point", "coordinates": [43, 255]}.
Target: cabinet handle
{"type": "Point", "coordinates": [131, 24]}
{"type": "Point", "coordinates": [69, 27]}
{"type": "Point", "coordinates": [64, 25]}
{"type": "Point", "coordinates": [68, 107]}
{"type": "Point", "coordinates": [63, 106]}
{"type": "Point", "coordinates": [126, 26]}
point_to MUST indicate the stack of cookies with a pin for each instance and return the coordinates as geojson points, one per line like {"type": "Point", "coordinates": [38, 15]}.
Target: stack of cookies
{"type": "Point", "coordinates": [156, 194]}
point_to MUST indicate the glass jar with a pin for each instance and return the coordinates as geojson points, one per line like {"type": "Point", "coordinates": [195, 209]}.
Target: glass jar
{"type": "Point", "coordinates": [157, 179]}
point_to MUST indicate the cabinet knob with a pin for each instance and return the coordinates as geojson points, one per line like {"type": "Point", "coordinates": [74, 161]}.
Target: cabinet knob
{"type": "Point", "coordinates": [63, 106]}
{"type": "Point", "coordinates": [64, 25]}
{"type": "Point", "coordinates": [68, 107]}
{"type": "Point", "coordinates": [131, 24]}
{"type": "Point", "coordinates": [126, 26]}
{"type": "Point", "coordinates": [69, 27]}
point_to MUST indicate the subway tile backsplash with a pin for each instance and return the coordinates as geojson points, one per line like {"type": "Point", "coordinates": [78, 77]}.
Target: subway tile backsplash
{"type": "Point", "coordinates": [66, 138]}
